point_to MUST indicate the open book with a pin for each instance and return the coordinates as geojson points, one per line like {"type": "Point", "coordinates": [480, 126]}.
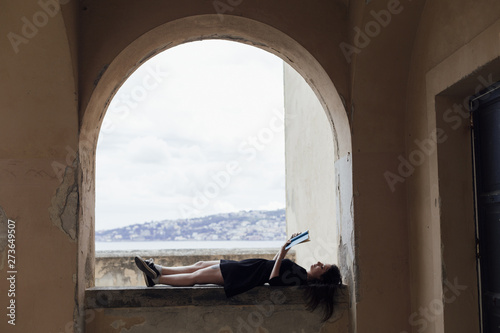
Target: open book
{"type": "Point", "coordinates": [303, 237]}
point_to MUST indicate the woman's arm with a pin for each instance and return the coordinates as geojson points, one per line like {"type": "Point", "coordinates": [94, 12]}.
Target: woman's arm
{"type": "Point", "coordinates": [279, 257]}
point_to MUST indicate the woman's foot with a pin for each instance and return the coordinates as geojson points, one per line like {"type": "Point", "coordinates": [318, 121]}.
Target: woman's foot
{"type": "Point", "coordinates": [147, 267]}
{"type": "Point", "coordinates": [148, 280]}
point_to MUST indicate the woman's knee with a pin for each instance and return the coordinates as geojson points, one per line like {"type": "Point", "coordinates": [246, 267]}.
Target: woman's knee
{"type": "Point", "coordinates": [208, 275]}
{"type": "Point", "coordinates": [203, 264]}
{"type": "Point", "coordinates": [199, 264]}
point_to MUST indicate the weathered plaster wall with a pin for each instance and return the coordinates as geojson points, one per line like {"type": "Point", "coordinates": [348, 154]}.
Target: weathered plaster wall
{"type": "Point", "coordinates": [382, 34]}
{"type": "Point", "coordinates": [38, 170]}
{"type": "Point", "coordinates": [220, 319]}
{"type": "Point", "coordinates": [310, 182]}
{"type": "Point", "coordinates": [207, 309]}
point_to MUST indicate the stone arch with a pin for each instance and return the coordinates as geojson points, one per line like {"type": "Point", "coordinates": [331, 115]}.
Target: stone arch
{"type": "Point", "coordinates": [202, 27]}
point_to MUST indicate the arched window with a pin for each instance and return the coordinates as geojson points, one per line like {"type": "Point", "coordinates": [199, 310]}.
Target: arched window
{"type": "Point", "coordinates": [191, 154]}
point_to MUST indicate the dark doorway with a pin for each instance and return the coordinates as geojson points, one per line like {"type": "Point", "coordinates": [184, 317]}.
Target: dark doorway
{"type": "Point", "coordinates": [485, 108]}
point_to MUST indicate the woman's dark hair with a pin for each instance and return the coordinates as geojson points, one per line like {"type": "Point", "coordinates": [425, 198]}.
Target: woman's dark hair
{"type": "Point", "coordinates": [322, 292]}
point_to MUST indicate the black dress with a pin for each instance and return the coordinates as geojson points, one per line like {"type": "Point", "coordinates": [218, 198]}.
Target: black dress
{"type": "Point", "coordinates": [241, 276]}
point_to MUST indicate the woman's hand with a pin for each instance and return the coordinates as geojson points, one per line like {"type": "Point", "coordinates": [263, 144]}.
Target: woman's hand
{"type": "Point", "coordinates": [291, 237]}
{"type": "Point", "coordinates": [289, 241]}
{"type": "Point", "coordinates": [283, 251]}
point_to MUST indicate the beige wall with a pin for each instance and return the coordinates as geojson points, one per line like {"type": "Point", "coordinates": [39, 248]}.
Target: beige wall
{"type": "Point", "coordinates": [310, 182]}
{"type": "Point", "coordinates": [453, 56]}
{"type": "Point", "coordinates": [38, 135]}
{"type": "Point", "coordinates": [379, 71]}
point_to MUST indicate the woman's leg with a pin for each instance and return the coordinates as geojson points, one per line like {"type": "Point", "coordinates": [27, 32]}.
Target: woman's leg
{"type": "Point", "coordinates": [211, 274]}
{"type": "Point", "coordinates": [188, 269]}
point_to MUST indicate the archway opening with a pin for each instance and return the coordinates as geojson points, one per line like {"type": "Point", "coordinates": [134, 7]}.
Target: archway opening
{"type": "Point", "coordinates": [232, 28]}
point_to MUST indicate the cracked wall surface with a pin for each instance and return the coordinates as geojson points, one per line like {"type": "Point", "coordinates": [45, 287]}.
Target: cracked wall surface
{"type": "Point", "coordinates": [65, 203]}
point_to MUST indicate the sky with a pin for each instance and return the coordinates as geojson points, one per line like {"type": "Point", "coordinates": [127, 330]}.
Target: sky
{"type": "Point", "coordinates": [196, 130]}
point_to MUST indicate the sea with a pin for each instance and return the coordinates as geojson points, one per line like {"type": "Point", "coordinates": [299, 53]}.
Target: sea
{"type": "Point", "coordinates": [169, 245]}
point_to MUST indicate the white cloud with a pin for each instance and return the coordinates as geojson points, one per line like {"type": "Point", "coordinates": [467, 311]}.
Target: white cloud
{"type": "Point", "coordinates": [149, 150]}
{"type": "Point", "coordinates": [271, 206]}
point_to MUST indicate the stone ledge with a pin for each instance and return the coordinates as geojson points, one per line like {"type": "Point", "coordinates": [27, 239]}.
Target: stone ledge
{"type": "Point", "coordinates": [166, 253]}
{"type": "Point", "coordinates": [202, 295]}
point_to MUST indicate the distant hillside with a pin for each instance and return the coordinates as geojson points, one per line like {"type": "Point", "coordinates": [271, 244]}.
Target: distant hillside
{"type": "Point", "coordinates": [255, 225]}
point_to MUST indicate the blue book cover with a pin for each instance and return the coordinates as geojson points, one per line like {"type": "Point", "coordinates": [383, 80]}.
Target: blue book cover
{"type": "Point", "coordinates": [303, 237]}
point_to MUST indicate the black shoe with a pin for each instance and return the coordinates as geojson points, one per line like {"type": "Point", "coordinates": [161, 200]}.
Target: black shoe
{"type": "Point", "coordinates": [147, 279]}
{"type": "Point", "coordinates": [147, 267]}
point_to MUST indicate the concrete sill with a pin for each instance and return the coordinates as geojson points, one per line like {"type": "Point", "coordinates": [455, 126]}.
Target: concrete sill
{"type": "Point", "coordinates": [202, 295]}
